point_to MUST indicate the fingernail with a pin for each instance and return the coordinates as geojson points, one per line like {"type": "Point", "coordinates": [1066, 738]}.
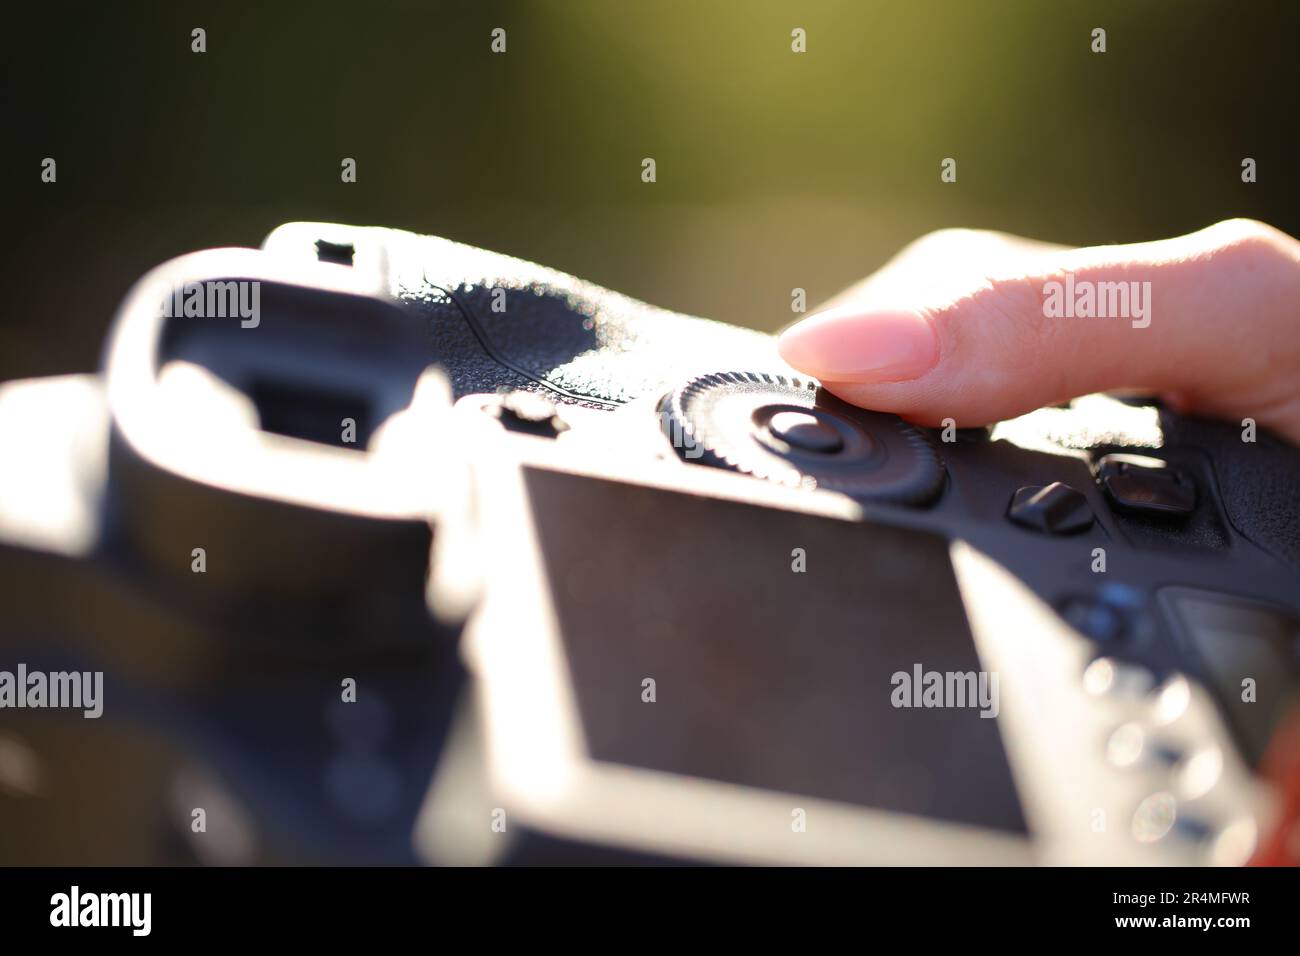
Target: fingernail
{"type": "Point", "coordinates": [849, 345]}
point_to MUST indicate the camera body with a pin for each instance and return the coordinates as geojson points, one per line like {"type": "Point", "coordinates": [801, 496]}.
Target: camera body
{"type": "Point", "coordinates": [392, 550]}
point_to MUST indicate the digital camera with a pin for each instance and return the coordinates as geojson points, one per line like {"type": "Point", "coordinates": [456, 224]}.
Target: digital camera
{"type": "Point", "coordinates": [371, 547]}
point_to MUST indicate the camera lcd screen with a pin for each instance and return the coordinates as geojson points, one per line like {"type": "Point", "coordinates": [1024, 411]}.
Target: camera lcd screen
{"type": "Point", "coordinates": [788, 652]}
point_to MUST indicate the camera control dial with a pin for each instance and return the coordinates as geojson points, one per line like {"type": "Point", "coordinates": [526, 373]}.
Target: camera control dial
{"type": "Point", "coordinates": [791, 431]}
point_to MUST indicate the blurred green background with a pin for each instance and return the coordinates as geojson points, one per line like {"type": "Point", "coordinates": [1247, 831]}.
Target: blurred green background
{"type": "Point", "coordinates": [775, 169]}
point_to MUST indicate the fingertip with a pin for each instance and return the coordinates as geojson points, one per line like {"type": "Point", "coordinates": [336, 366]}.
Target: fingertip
{"type": "Point", "coordinates": [852, 345]}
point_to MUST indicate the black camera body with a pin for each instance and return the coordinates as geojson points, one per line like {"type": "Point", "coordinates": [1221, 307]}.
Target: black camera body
{"type": "Point", "coordinates": [391, 550]}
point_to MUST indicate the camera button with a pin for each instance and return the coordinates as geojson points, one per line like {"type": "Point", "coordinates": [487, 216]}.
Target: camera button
{"type": "Point", "coordinates": [1052, 509]}
{"type": "Point", "coordinates": [1108, 677]}
{"type": "Point", "coordinates": [1131, 747]}
{"type": "Point", "coordinates": [1113, 615]}
{"type": "Point", "coordinates": [1097, 620]}
{"type": "Point", "coordinates": [1146, 485]}
{"type": "Point", "coordinates": [805, 431]}
{"type": "Point", "coordinates": [1154, 817]}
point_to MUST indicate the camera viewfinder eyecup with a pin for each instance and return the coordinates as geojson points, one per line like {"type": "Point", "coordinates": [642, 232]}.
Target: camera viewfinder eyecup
{"type": "Point", "coordinates": [257, 456]}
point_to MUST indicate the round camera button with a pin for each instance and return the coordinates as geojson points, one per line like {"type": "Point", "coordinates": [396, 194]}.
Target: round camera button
{"type": "Point", "coordinates": [805, 431]}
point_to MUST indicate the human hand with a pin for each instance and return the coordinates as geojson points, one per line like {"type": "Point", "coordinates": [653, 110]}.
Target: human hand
{"type": "Point", "coordinates": [981, 326]}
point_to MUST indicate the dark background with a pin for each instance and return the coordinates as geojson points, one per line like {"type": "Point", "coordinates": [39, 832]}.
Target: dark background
{"type": "Point", "coordinates": [775, 169]}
